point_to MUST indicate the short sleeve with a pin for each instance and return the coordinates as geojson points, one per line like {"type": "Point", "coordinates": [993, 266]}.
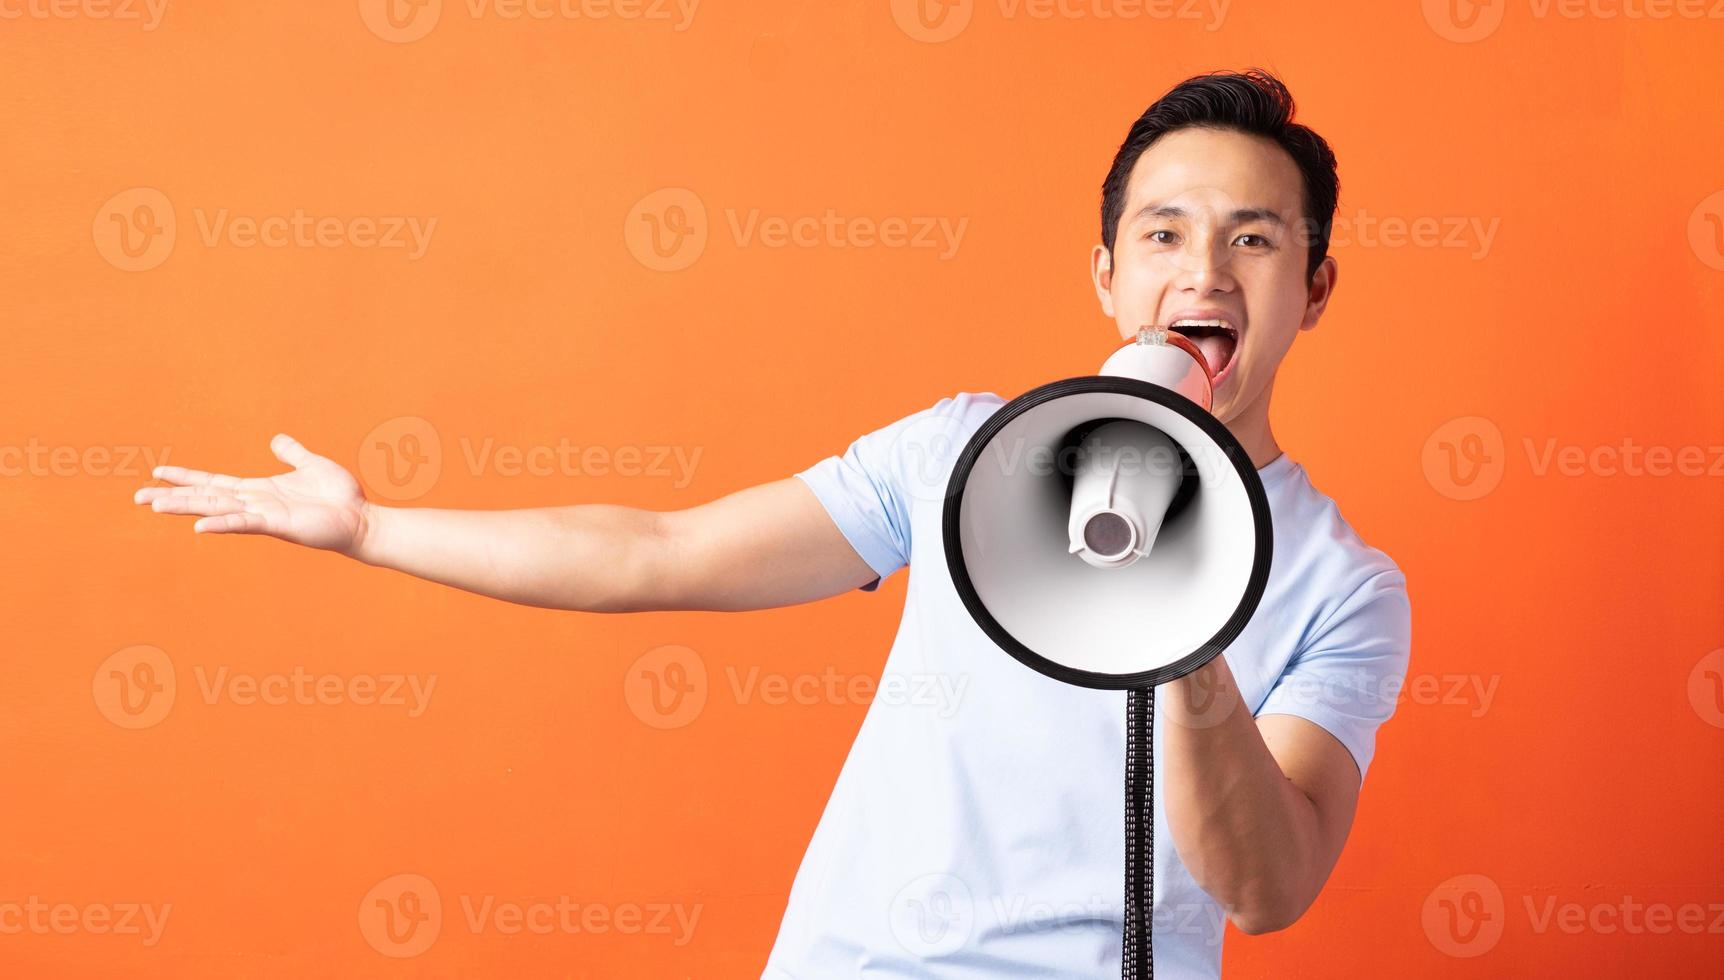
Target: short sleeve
{"type": "Point", "coordinates": [870, 489]}
{"type": "Point", "coordinates": [1348, 675]}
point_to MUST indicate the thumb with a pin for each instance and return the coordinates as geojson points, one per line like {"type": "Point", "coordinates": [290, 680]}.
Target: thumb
{"type": "Point", "coordinates": [289, 451]}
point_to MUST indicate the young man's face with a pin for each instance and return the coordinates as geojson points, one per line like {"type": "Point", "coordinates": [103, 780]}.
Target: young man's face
{"type": "Point", "coordinates": [1213, 229]}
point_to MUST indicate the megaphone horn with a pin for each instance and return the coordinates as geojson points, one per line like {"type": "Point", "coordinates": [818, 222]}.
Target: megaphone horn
{"type": "Point", "coordinates": [1141, 553]}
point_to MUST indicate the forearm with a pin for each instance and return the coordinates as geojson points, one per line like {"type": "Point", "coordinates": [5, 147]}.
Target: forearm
{"type": "Point", "coordinates": [590, 557]}
{"type": "Point", "coordinates": [1246, 832]}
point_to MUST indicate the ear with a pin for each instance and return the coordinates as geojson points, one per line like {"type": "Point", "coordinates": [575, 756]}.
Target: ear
{"type": "Point", "coordinates": [1101, 273]}
{"type": "Point", "coordinates": [1322, 287]}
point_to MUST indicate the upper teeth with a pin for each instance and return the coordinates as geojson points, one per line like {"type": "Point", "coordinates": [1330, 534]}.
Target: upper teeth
{"type": "Point", "coordinates": [1221, 324]}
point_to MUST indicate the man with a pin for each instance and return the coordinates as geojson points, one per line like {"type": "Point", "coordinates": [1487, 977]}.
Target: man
{"type": "Point", "coordinates": [985, 838]}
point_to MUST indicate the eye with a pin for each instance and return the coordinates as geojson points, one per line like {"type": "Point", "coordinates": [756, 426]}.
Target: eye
{"type": "Point", "coordinates": [1261, 241]}
{"type": "Point", "coordinates": [1154, 236]}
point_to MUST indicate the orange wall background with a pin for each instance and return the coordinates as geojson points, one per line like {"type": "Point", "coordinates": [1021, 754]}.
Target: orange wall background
{"type": "Point", "coordinates": [1531, 244]}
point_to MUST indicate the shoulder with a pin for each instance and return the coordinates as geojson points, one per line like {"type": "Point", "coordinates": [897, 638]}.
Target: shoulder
{"type": "Point", "coordinates": [1325, 550]}
{"type": "Point", "coordinates": [959, 409]}
{"type": "Point", "coordinates": [968, 406]}
{"type": "Point", "coordinates": [940, 431]}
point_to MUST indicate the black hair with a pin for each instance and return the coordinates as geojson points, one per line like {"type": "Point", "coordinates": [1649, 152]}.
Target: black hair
{"type": "Point", "coordinates": [1254, 102]}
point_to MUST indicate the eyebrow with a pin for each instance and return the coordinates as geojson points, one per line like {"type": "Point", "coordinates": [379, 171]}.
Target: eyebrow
{"type": "Point", "coordinates": [1239, 216]}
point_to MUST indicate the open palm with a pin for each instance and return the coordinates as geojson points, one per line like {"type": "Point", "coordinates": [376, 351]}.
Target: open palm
{"type": "Point", "coordinates": [319, 504]}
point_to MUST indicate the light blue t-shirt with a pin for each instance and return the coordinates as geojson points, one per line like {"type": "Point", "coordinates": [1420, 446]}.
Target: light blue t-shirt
{"type": "Point", "coordinates": [977, 828]}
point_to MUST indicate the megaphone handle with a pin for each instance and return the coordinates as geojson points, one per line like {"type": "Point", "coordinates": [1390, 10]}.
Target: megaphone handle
{"type": "Point", "coordinates": [1138, 961]}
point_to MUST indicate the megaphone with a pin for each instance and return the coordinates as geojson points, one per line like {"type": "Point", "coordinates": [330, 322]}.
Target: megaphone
{"type": "Point", "coordinates": [1108, 531]}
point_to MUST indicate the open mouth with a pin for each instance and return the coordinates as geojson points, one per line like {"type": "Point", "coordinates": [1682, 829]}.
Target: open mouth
{"type": "Point", "coordinates": [1217, 339]}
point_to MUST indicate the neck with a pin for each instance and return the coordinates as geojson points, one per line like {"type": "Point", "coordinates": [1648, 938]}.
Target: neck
{"type": "Point", "coordinates": [1251, 427]}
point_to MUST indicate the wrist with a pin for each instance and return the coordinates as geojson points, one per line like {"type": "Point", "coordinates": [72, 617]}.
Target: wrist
{"type": "Point", "coordinates": [365, 536]}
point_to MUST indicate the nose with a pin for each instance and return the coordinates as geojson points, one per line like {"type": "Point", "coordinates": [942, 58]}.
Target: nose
{"type": "Point", "coordinates": [1205, 265]}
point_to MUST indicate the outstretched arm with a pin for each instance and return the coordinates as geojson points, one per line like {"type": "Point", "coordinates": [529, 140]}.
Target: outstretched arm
{"type": "Point", "coordinates": [760, 547]}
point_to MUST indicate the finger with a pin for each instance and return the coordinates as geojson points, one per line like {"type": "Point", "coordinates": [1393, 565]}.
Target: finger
{"type": "Point", "coordinates": [194, 478]}
{"type": "Point", "coordinates": [238, 523]}
{"type": "Point", "coordinates": [241, 493]}
{"type": "Point", "coordinates": [146, 494]}
{"type": "Point", "coordinates": [288, 450]}
{"type": "Point", "coordinates": [204, 505]}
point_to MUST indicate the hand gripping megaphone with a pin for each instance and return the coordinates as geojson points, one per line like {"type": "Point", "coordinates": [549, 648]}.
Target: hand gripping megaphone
{"type": "Point", "coordinates": [1109, 532]}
